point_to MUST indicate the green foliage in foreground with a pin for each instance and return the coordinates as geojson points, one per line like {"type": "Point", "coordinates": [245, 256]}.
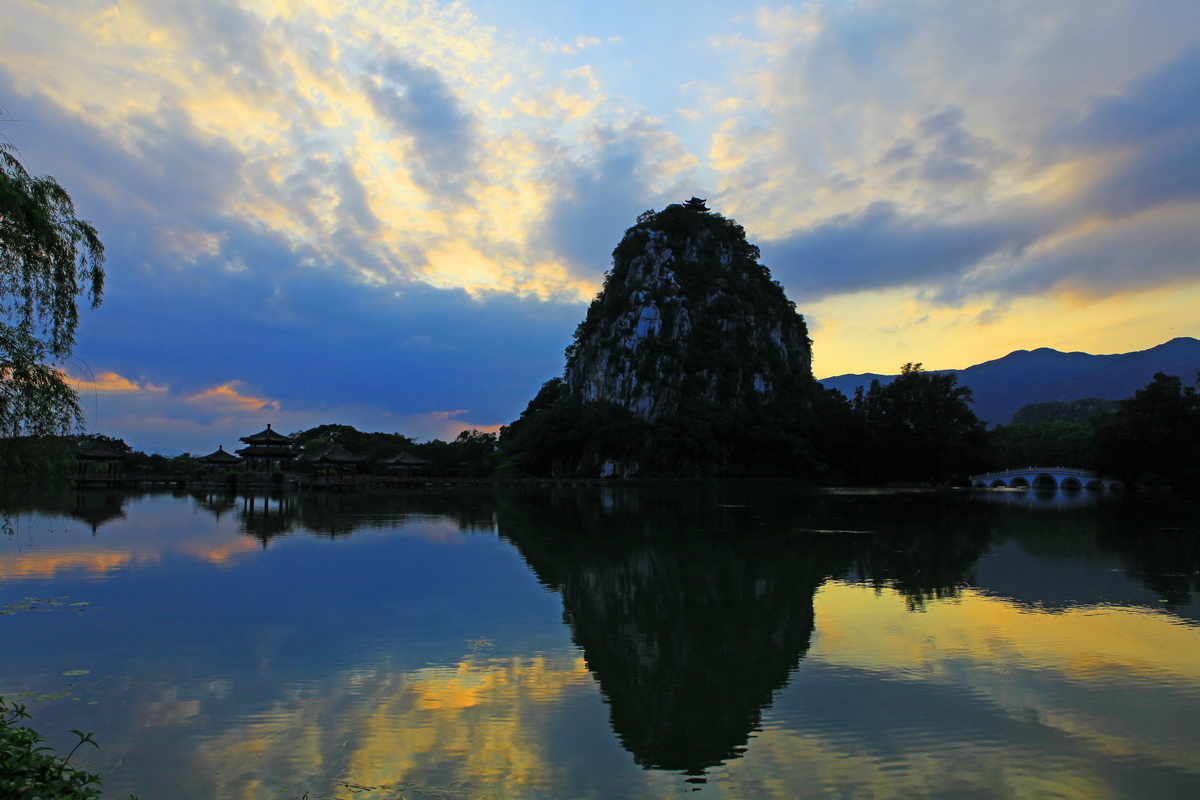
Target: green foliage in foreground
{"type": "Point", "coordinates": [29, 769]}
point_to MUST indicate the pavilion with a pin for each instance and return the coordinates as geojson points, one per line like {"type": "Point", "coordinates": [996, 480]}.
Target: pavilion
{"type": "Point", "coordinates": [405, 465]}
{"type": "Point", "coordinates": [220, 460]}
{"type": "Point", "coordinates": [337, 457]}
{"type": "Point", "coordinates": [267, 450]}
{"type": "Point", "coordinates": [103, 455]}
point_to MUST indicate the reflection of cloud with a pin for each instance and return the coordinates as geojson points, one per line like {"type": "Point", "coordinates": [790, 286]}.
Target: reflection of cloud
{"type": "Point", "coordinates": [967, 646]}
{"type": "Point", "coordinates": [482, 716]}
{"type": "Point", "coordinates": [47, 565]}
{"type": "Point", "coordinates": [222, 555]}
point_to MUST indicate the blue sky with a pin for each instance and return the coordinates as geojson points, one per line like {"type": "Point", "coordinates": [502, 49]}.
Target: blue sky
{"type": "Point", "coordinates": [393, 214]}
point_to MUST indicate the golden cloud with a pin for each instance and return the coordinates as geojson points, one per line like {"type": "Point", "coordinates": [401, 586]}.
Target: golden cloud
{"type": "Point", "coordinates": [229, 395]}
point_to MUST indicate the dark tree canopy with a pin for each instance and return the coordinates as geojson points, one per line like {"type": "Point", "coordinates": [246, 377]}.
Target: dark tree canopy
{"type": "Point", "coordinates": [49, 258]}
{"type": "Point", "coordinates": [1154, 436]}
{"type": "Point", "coordinates": [919, 427]}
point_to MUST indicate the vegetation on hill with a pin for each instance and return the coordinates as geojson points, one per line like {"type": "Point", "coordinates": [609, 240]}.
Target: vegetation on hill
{"type": "Point", "coordinates": [691, 361]}
{"type": "Point", "coordinates": [1080, 412]}
{"type": "Point", "coordinates": [918, 428]}
{"type": "Point", "coordinates": [1154, 436]}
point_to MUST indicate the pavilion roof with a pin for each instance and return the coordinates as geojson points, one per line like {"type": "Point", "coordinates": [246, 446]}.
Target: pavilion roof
{"type": "Point", "coordinates": [267, 437]}
{"type": "Point", "coordinates": [267, 450]}
{"type": "Point", "coordinates": [220, 457]}
{"type": "Point", "coordinates": [404, 459]}
{"type": "Point", "coordinates": [99, 452]}
{"type": "Point", "coordinates": [336, 454]}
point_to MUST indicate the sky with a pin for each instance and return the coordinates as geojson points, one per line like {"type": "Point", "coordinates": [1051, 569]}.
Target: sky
{"type": "Point", "coordinates": [393, 214]}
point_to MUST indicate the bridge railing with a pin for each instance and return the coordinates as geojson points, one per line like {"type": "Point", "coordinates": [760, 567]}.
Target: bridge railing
{"type": "Point", "coordinates": [1005, 473]}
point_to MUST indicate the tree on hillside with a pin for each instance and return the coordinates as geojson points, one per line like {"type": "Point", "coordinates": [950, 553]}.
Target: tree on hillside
{"type": "Point", "coordinates": [1070, 444]}
{"type": "Point", "coordinates": [919, 427]}
{"type": "Point", "coordinates": [48, 259]}
{"type": "Point", "coordinates": [1154, 436]}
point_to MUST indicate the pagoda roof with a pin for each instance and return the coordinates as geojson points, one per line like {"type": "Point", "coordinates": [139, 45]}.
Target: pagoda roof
{"type": "Point", "coordinates": [266, 437]}
{"type": "Point", "coordinates": [221, 456]}
{"type": "Point", "coordinates": [99, 452]}
{"type": "Point", "coordinates": [336, 454]}
{"type": "Point", "coordinates": [265, 450]}
{"type": "Point", "coordinates": [404, 458]}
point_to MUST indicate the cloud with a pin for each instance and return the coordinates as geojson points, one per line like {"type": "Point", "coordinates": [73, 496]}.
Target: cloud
{"type": "Point", "coordinates": [627, 169]}
{"type": "Point", "coordinates": [881, 247]}
{"type": "Point", "coordinates": [1000, 152]}
{"type": "Point", "coordinates": [1148, 135]}
{"type": "Point", "coordinates": [397, 209]}
{"type": "Point", "coordinates": [417, 102]}
{"type": "Point", "coordinates": [112, 382]}
{"type": "Point", "coordinates": [229, 395]}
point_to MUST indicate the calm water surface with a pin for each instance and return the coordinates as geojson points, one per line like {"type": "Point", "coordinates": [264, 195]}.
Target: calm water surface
{"type": "Point", "coordinates": [604, 643]}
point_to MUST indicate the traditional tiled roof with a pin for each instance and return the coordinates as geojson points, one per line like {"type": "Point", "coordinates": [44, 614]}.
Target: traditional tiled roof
{"type": "Point", "coordinates": [220, 457]}
{"type": "Point", "coordinates": [266, 437]}
{"type": "Point", "coordinates": [99, 452]}
{"type": "Point", "coordinates": [266, 450]}
{"type": "Point", "coordinates": [404, 459]}
{"type": "Point", "coordinates": [336, 454]}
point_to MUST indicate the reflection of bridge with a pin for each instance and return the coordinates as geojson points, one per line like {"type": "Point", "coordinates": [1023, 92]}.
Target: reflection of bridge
{"type": "Point", "coordinates": [1044, 478]}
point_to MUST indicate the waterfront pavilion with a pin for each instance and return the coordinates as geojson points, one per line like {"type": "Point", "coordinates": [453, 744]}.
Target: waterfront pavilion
{"type": "Point", "coordinates": [220, 460]}
{"type": "Point", "coordinates": [267, 450]}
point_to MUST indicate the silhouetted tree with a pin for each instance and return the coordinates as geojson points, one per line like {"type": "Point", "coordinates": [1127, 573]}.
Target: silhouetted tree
{"type": "Point", "coordinates": [919, 427]}
{"type": "Point", "coordinates": [1154, 436]}
{"type": "Point", "coordinates": [48, 258]}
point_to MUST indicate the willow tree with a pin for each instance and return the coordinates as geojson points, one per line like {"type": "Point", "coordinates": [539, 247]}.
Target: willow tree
{"type": "Point", "coordinates": [49, 259]}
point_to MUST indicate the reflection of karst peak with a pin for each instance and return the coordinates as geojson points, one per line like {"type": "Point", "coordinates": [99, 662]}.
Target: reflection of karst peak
{"type": "Point", "coordinates": [692, 613]}
{"type": "Point", "coordinates": [689, 631]}
{"type": "Point", "coordinates": [689, 647]}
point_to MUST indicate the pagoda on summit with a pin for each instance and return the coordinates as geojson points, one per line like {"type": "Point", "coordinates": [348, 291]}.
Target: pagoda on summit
{"type": "Point", "coordinates": [267, 450]}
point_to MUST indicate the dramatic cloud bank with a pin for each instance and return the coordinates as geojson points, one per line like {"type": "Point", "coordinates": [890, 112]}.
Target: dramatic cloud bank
{"type": "Point", "coordinates": [392, 214]}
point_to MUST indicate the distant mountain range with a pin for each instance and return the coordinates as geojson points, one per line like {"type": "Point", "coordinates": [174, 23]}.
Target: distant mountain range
{"type": "Point", "coordinates": [1004, 386]}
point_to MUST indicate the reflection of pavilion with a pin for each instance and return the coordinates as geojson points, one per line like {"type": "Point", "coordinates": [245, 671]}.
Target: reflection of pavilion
{"type": "Point", "coordinates": [98, 508]}
{"type": "Point", "coordinates": [266, 516]}
{"type": "Point", "coordinates": [216, 502]}
{"type": "Point", "coordinates": [267, 450]}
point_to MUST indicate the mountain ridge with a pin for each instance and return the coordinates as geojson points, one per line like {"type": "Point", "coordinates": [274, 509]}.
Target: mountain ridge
{"type": "Point", "coordinates": [1004, 385]}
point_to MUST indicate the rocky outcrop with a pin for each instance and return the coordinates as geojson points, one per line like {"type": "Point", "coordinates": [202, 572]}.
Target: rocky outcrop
{"type": "Point", "coordinates": [687, 312]}
{"type": "Point", "coordinates": [690, 362]}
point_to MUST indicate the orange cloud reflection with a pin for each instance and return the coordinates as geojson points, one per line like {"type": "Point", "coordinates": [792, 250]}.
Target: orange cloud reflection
{"type": "Point", "coordinates": [47, 565]}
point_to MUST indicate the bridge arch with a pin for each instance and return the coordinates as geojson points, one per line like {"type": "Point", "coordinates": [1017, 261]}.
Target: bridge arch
{"type": "Point", "coordinates": [1045, 478]}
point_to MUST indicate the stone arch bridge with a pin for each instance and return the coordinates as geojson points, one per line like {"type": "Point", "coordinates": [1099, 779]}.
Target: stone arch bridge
{"type": "Point", "coordinates": [1044, 478]}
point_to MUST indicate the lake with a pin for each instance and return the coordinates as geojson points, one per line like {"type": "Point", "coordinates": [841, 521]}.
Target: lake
{"type": "Point", "coordinates": [707, 641]}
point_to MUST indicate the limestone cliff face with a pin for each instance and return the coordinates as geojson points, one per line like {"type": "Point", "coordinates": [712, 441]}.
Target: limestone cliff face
{"type": "Point", "coordinates": [688, 314]}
